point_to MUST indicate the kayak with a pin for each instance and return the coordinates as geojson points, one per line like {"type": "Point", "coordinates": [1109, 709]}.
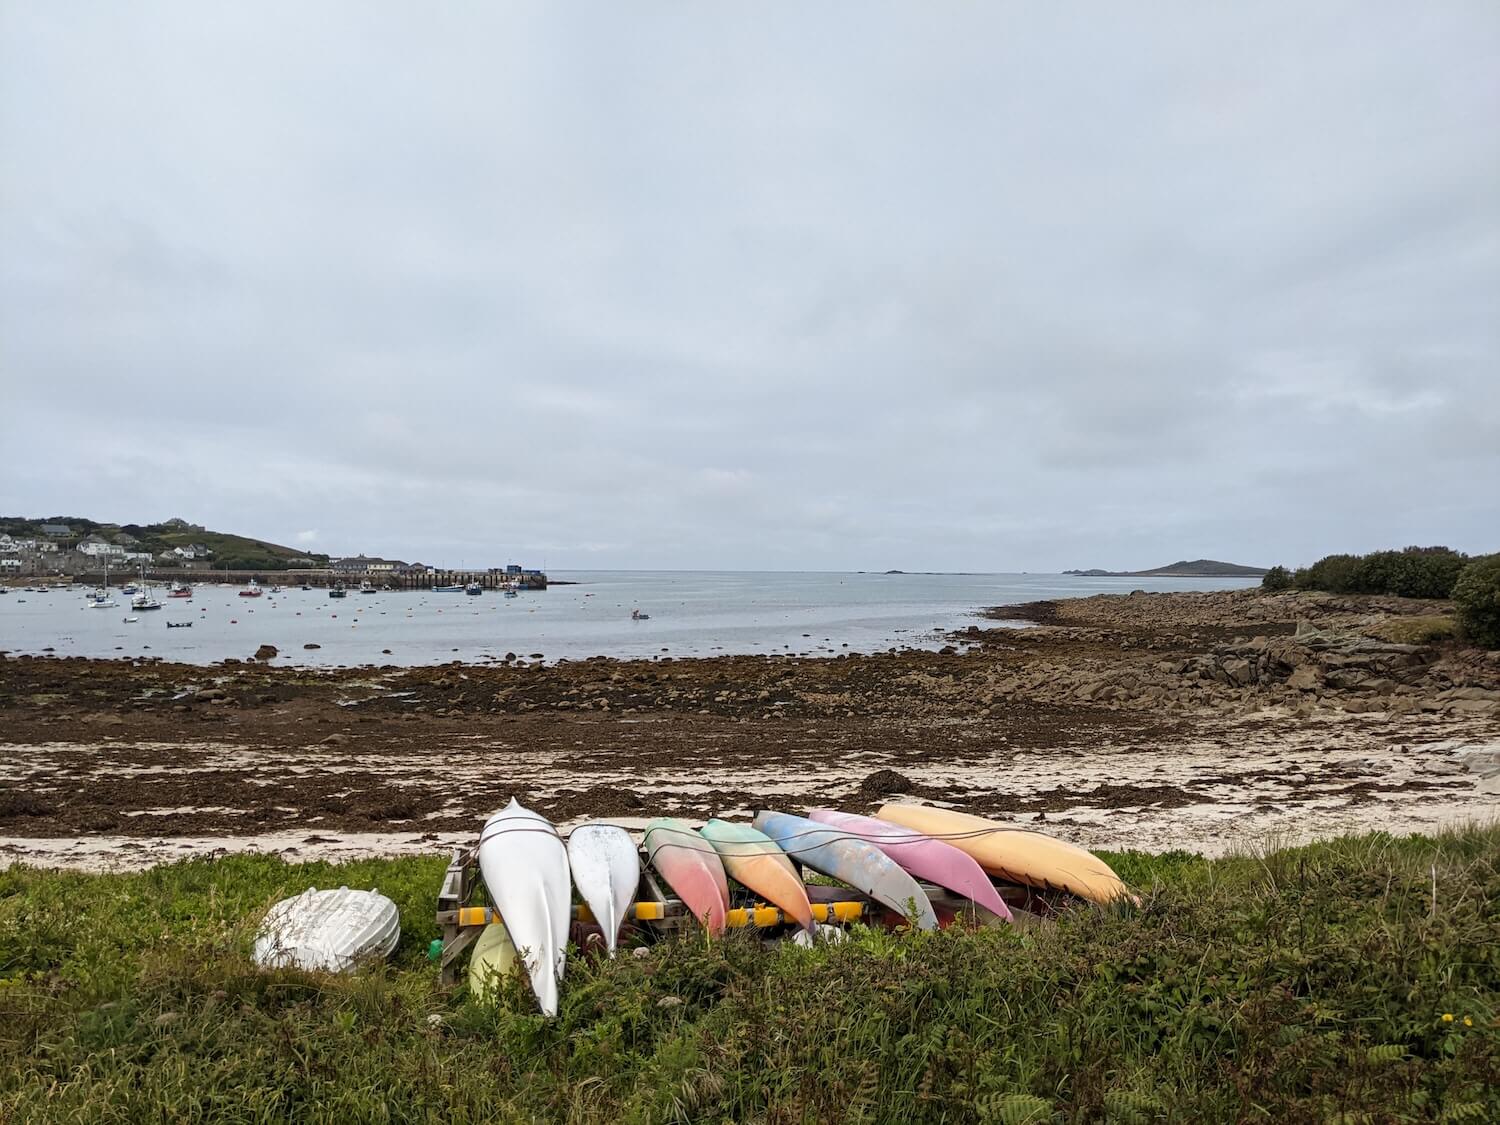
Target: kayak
{"type": "Point", "coordinates": [691, 868]}
{"type": "Point", "coordinates": [937, 862]}
{"type": "Point", "coordinates": [525, 869]}
{"type": "Point", "coordinates": [850, 860]}
{"type": "Point", "coordinates": [753, 860]}
{"type": "Point", "coordinates": [606, 870]}
{"type": "Point", "coordinates": [493, 959]}
{"type": "Point", "coordinates": [1014, 854]}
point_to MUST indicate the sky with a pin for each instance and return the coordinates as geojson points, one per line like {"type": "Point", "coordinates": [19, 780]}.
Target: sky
{"type": "Point", "coordinates": [951, 286]}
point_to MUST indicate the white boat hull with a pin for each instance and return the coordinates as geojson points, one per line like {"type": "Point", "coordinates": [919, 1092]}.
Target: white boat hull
{"type": "Point", "coordinates": [607, 871]}
{"type": "Point", "coordinates": [525, 868]}
{"type": "Point", "coordinates": [333, 931]}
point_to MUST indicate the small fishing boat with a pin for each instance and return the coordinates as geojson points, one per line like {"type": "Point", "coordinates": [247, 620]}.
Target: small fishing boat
{"type": "Point", "coordinates": [329, 930]}
{"type": "Point", "coordinates": [338, 591]}
{"type": "Point", "coordinates": [129, 588]}
{"type": "Point", "coordinates": [473, 588]}
{"type": "Point", "coordinates": [180, 590]}
{"type": "Point", "coordinates": [366, 588]}
{"type": "Point", "coordinates": [692, 868]}
{"type": "Point", "coordinates": [447, 589]}
{"type": "Point", "coordinates": [637, 615]}
{"type": "Point", "coordinates": [606, 870]}
{"type": "Point", "coordinates": [130, 620]}
{"type": "Point", "coordinates": [753, 860]}
{"type": "Point", "coordinates": [512, 594]}
{"type": "Point", "coordinates": [103, 601]}
{"type": "Point", "coordinates": [304, 586]}
{"type": "Point", "coordinates": [251, 590]}
{"type": "Point", "coordinates": [850, 860]}
{"type": "Point", "coordinates": [1014, 854]}
{"type": "Point", "coordinates": [179, 624]}
{"type": "Point", "coordinates": [525, 867]}
{"type": "Point", "coordinates": [275, 589]}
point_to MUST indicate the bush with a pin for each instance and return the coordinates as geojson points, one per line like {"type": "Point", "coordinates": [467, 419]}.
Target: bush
{"type": "Point", "coordinates": [1277, 578]}
{"type": "Point", "coordinates": [1477, 596]}
{"type": "Point", "coordinates": [1416, 572]}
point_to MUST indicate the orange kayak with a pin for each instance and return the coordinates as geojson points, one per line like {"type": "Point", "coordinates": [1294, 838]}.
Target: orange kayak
{"type": "Point", "coordinates": [753, 860]}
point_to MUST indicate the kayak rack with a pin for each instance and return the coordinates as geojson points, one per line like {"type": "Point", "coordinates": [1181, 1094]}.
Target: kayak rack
{"type": "Point", "coordinates": [462, 920]}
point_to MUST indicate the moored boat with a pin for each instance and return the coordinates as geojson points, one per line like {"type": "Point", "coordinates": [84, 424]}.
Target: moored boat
{"type": "Point", "coordinates": [525, 868]}
{"type": "Point", "coordinates": [447, 589]}
{"type": "Point", "coordinates": [473, 588]}
{"type": "Point", "coordinates": [338, 591]}
{"type": "Point", "coordinates": [366, 588]}
{"type": "Point", "coordinates": [252, 590]}
{"type": "Point", "coordinates": [180, 590]}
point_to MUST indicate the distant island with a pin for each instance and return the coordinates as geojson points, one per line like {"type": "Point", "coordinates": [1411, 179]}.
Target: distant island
{"type": "Point", "coordinates": [1197, 568]}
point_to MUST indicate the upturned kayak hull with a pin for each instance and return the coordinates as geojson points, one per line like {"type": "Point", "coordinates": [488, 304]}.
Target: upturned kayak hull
{"type": "Point", "coordinates": [1015, 854]}
{"type": "Point", "coordinates": [493, 959]}
{"type": "Point", "coordinates": [691, 868]}
{"type": "Point", "coordinates": [850, 860]}
{"type": "Point", "coordinates": [525, 868]}
{"type": "Point", "coordinates": [935, 861]}
{"type": "Point", "coordinates": [606, 870]}
{"type": "Point", "coordinates": [753, 860]}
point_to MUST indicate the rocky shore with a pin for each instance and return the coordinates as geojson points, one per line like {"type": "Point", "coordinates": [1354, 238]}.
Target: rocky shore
{"type": "Point", "coordinates": [1153, 720]}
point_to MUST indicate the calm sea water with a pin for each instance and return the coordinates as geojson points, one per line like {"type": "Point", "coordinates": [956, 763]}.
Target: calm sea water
{"type": "Point", "coordinates": [691, 614]}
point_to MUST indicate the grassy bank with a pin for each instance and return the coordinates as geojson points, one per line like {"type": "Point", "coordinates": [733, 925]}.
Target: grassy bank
{"type": "Point", "coordinates": [1315, 984]}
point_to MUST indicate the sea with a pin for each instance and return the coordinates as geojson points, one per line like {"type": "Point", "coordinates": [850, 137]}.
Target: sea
{"type": "Point", "coordinates": [685, 613]}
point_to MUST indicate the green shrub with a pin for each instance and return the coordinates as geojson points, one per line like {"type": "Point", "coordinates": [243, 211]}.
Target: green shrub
{"type": "Point", "coordinates": [1277, 578]}
{"type": "Point", "coordinates": [1416, 572]}
{"type": "Point", "coordinates": [1477, 596]}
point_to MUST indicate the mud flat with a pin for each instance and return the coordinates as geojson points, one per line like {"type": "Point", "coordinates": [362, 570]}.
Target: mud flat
{"type": "Point", "coordinates": [1209, 722]}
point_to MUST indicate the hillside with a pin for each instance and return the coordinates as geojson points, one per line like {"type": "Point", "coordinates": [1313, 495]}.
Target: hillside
{"type": "Point", "coordinates": [1197, 568]}
{"type": "Point", "coordinates": [235, 552]}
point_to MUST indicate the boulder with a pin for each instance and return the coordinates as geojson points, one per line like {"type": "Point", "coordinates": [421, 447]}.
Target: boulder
{"type": "Point", "coordinates": [1303, 679]}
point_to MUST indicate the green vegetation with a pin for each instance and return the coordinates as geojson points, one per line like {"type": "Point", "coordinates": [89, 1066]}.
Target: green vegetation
{"type": "Point", "coordinates": [1416, 572]}
{"type": "Point", "coordinates": [1428, 630]}
{"type": "Point", "coordinates": [1276, 579]}
{"type": "Point", "coordinates": [232, 552]}
{"type": "Point", "coordinates": [1353, 980]}
{"type": "Point", "coordinates": [1477, 597]}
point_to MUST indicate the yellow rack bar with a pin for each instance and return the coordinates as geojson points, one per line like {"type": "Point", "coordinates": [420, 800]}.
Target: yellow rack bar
{"type": "Point", "coordinates": [656, 911]}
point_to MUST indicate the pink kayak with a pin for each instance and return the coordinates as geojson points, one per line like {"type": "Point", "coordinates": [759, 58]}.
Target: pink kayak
{"type": "Point", "coordinates": [691, 868]}
{"type": "Point", "coordinates": [933, 860]}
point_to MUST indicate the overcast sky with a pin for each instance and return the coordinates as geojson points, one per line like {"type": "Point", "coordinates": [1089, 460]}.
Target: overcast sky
{"type": "Point", "coordinates": [825, 286]}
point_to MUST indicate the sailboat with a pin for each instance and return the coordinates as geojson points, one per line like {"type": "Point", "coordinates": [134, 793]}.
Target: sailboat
{"type": "Point", "coordinates": [100, 599]}
{"type": "Point", "coordinates": [144, 600]}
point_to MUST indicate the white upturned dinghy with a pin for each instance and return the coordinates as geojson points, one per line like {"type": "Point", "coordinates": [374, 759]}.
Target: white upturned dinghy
{"type": "Point", "coordinates": [525, 868]}
{"type": "Point", "coordinates": [607, 871]}
{"type": "Point", "coordinates": [332, 931]}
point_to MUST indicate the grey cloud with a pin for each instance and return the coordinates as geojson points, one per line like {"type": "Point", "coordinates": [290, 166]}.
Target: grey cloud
{"type": "Point", "coordinates": [995, 287]}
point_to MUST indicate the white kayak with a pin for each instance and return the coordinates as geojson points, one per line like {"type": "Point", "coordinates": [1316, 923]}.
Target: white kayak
{"type": "Point", "coordinates": [328, 930]}
{"type": "Point", "coordinates": [525, 868]}
{"type": "Point", "coordinates": [607, 871]}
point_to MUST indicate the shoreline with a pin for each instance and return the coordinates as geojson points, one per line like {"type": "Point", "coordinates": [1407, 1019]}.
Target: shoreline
{"type": "Point", "coordinates": [1202, 720]}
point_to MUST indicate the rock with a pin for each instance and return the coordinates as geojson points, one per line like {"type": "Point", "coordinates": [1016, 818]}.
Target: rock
{"type": "Point", "coordinates": [1304, 678]}
{"type": "Point", "coordinates": [884, 783]}
{"type": "Point", "coordinates": [265, 652]}
{"type": "Point", "coordinates": [311, 646]}
{"type": "Point", "coordinates": [1239, 670]}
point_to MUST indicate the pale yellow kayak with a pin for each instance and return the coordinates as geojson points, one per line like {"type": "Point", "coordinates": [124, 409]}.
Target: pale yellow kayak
{"type": "Point", "coordinates": [493, 959]}
{"type": "Point", "coordinates": [1014, 854]}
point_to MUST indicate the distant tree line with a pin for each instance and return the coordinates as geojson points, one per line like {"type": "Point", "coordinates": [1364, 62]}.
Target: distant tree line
{"type": "Point", "coordinates": [1415, 572]}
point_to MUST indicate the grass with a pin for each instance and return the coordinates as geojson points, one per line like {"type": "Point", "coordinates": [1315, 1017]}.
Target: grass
{"type": "Point", "coordinates": [1308, 984]}
{"type": "Point", "coordinates": [1425, 630]}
